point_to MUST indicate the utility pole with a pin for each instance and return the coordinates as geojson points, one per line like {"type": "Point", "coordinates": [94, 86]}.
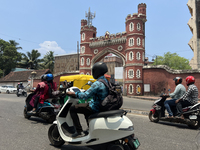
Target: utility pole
{"type": "Point", "coordinates": [78, 53]}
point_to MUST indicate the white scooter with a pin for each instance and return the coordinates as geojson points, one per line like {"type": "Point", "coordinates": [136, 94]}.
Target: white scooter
{"type": "Point", "coordinates": [110, 130]}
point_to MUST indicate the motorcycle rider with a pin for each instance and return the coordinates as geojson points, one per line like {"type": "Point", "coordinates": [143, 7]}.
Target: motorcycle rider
{"type": "Point", "coordinates": [38, 91]}
{"type": "Point", "coordinates": [98, 91]}
{"type": "Point", "coordinates": [189, 98]}
{"type": "Point", "coordinates": [178, 93]}
{"type": "Point", "coordinates": [21, 85]}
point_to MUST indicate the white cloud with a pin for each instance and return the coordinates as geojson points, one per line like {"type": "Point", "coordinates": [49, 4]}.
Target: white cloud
{"type": "Point", "coordinates": [47, 46]}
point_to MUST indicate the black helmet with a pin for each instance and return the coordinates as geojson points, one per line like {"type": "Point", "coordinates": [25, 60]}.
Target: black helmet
{"type": "Point", "coordinates": [99, 69]}
{"type": "Point", "coordinates": [177, 80]}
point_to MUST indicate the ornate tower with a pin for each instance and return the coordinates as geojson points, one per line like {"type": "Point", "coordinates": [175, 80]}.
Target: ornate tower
{"type": "Point", "coordinates": [87, 32]}
{"type": "Point", "coordinates": [135, 51]}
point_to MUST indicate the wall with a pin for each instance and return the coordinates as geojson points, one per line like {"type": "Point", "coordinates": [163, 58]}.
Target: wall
{"type": "Point", "coordinates": [160, 77]}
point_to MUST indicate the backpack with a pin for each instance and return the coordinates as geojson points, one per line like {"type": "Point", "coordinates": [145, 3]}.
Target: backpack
{"type": "Point", "coordinates": [113, 101]}
{"type": "Point", "coordinates": [51, 92]}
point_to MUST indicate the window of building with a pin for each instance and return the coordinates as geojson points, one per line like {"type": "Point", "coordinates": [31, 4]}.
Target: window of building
{"type": "Point", "coordinates": [131, 41]}
{"type": "Point", "coordinates": [138, 89]}
{"type": "Point", "coordinates": [138, 73]}
{"type": "Point", "coordinates": [138, 41]}
{"type": "Point", "coordinates": [143, 56]}
{"type": "Point", "coordinates": [130, 89]}
{"type": "Point", "coordinates": [82, 61]}
{"type": "Point", "coordinates": [138, 56]}
{"type": "Point", "coordinates": [131, 56]}
{"type": "Point", "coordinates": [143, 42]}
{"type": "Point", "coordinates": [87, 73]}
{"type": "Point", "coordinates": [88, 61]}
{"type": "Point", "coordinates": [130, 73]}
{"type": "Point", "coordinates": [82, 72]}
{"type": "Point", "coordinates": [83, 49]}
{"type": "Point", "coordinates": [131, 27]}
{"type": "Point", "coordinates": [83, 36]}
{"type": "Point", "coordinates": [138, 26]}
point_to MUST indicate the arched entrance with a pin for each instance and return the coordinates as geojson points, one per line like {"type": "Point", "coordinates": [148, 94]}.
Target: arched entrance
{"type": "Point", "coordinates": [128, 45]}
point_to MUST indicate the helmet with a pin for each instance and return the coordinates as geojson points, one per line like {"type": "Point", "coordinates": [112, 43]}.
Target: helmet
{"type": "Point", "coordinates": [48, 77]}
{"type": "Point", "coordinates": [42, 77]}
{"type": "Point", "coordinates": [99, 69]}
{"type": "Point", "coordinates": [190, 80]}
{"type": "Point", "coordinates": [18, 83]}
{"type": "Point", "coordinates": [21, 83]}
{"type": "Point", "coordinates": [177, 80]}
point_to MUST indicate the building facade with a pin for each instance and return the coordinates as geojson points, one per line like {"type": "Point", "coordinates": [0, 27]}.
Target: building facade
{"type": "Point", "coordinates": [128, 45]}
{"type": "Point", "coordinates": [194, 25]}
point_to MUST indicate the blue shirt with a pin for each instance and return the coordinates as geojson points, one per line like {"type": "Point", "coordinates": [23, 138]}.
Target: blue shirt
{"type": "Point", "coordinates": [98, 91]}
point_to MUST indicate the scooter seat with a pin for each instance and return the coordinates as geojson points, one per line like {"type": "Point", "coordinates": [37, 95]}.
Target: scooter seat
{"type": "Point", "coordinates": [106, 114]}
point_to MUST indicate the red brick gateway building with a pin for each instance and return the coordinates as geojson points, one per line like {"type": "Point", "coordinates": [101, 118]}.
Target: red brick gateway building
{"type": "Point", "coordinates": [129, 45]}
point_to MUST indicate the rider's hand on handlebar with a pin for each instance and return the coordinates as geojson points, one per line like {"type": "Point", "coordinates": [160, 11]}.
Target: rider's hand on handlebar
{"type": "Point", "coordinates": [71, 93]}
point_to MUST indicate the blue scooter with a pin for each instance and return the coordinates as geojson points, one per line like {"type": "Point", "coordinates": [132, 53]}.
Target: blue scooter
{"type": "Point", "coordinates": [46, 111]}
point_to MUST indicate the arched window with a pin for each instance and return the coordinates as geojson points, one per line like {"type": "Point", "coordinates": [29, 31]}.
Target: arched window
{"type": "Point", "coordinates": [130, 73]}
{"type": "Point", "coordinates": [83, 36]}
{"type": "Point", "coordinates": [138, 26]}
{"type": "Point", "coordinates": [131, 27]}
{"type": "Point", "coordinates": [138, 56]}
{"type": "Point", "coordinates": [138, 41]}
{"type": "Point", "coordinates": [83, 49]}
{"type": "Point", "coordinates": [82, 61]}
{"type": "Point", "coordinates": [131, 56]}
{"type": "Point", "coordinates": [138, 89]}
{"type": "Point", "coordinates": [130, 89]}
{"type": "Point", "coordinates": [88, 61]}
{"type": "Point", "coordinates": [138, 73]}
{"type": "Point", "coordinates": [143, 42]}
{"type": "Point", "coordinates": [131, 41]}
{"type": "Point", "coordinates": [87, 73]}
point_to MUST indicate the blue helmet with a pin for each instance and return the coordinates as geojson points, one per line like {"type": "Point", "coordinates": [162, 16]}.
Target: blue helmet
{"type": "Point", "coordinates": [48, 77]}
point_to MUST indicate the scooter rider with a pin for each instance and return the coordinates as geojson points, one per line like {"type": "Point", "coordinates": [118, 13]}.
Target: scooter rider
{"type": "Point", "coordinates": [189, 98]}
{"type": "Point", "coordinates": [178, 93]}
{"type": "Point", "coordinates": [98, 91]}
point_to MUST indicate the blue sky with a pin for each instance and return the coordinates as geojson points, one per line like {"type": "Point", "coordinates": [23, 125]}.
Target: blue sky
{"type": "Point", "coordinates": [55, 25]}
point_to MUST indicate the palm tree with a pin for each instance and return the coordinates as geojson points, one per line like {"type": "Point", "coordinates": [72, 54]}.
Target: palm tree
{"type": "Point", "coordinates": [31, 60]}
{"type": "Point", "coordinates": [49, 61]}
{"type": "Point", "coordinates": [13, 43]}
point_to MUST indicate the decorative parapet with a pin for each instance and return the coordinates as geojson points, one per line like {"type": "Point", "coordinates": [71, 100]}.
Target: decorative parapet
{"type": "Point", "coordinates": [108, 42]}
{"type": "Point", "coordinates": [172, 71]}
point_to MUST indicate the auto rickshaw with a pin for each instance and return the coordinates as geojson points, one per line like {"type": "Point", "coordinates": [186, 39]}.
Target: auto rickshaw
{"type": "Point", "coordinates": [79, 81]}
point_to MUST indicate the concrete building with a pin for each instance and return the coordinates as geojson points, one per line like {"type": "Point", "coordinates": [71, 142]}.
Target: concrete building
{"type": "Point", "coordinates": [194, 25]}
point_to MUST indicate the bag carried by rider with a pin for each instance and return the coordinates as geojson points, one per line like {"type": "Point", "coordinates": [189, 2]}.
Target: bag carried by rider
{"type": "Point", "coordinates": [51, 92]}
{"type": "Point", "coordinates": [113, 101]}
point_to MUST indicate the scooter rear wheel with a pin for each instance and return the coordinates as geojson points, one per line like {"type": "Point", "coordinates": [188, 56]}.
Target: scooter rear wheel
{"type": "Point", "coordinates": [154, 117]}
{"type": "Point", "coordinates": [54, 136]}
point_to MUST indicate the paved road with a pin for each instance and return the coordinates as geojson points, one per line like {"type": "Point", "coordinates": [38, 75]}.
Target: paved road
{"type": "Point", "coordinates": [18, 133]}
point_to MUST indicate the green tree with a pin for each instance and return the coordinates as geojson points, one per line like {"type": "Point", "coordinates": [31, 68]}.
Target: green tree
{"type": "Point", "coordinates": [49, 61]}
{"type": "Point", "coordinates": [15, 44]}
{"type": "Point", "coordinates": [8, 57]}
{"type": "Point", "coordinates": [31, 60]}
{"type": "Point", "coordinates": [173, 60]}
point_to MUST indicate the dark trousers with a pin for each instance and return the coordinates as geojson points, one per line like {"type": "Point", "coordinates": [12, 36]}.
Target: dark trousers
{"type": "Point", "coordinates": [180, 106]}
{"type": "Point", "coordinates": [36, 102]}
{"type": "Point", "coordinates": [82, 108]}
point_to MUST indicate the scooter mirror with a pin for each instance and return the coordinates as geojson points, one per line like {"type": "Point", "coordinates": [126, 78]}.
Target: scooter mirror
{"type": "Point", "coordinates": [89, 83]}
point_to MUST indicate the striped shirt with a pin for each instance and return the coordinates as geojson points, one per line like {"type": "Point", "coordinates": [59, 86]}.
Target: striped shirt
{"type": "Point", "coordinates": [191, 94]}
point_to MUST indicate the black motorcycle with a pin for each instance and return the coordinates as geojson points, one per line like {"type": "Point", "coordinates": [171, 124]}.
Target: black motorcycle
{"type": "Point", "coordinates": [191, 113]}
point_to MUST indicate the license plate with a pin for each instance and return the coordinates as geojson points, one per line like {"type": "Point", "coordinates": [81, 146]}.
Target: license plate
{"type": "Point", "coordinates": [136, 143]}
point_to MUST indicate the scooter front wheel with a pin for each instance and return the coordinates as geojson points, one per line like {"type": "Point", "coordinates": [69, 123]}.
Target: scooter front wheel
{"type": "Point", "coordinates": [154, 117]}
{"type": "Point", "coordinates": [54, 136]}
{"type": "Point", "coordinates": [25, 114]}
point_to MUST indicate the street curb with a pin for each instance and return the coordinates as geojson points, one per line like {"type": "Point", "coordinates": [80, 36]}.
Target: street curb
{"type": "Point", "coordinates": [144, 98]}
{"type": "Point", "coordinates": [139, 112]}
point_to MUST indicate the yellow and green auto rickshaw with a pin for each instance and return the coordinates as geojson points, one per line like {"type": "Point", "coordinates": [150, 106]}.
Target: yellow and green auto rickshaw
{"type": "Point", "coordinates": [79, 81]}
